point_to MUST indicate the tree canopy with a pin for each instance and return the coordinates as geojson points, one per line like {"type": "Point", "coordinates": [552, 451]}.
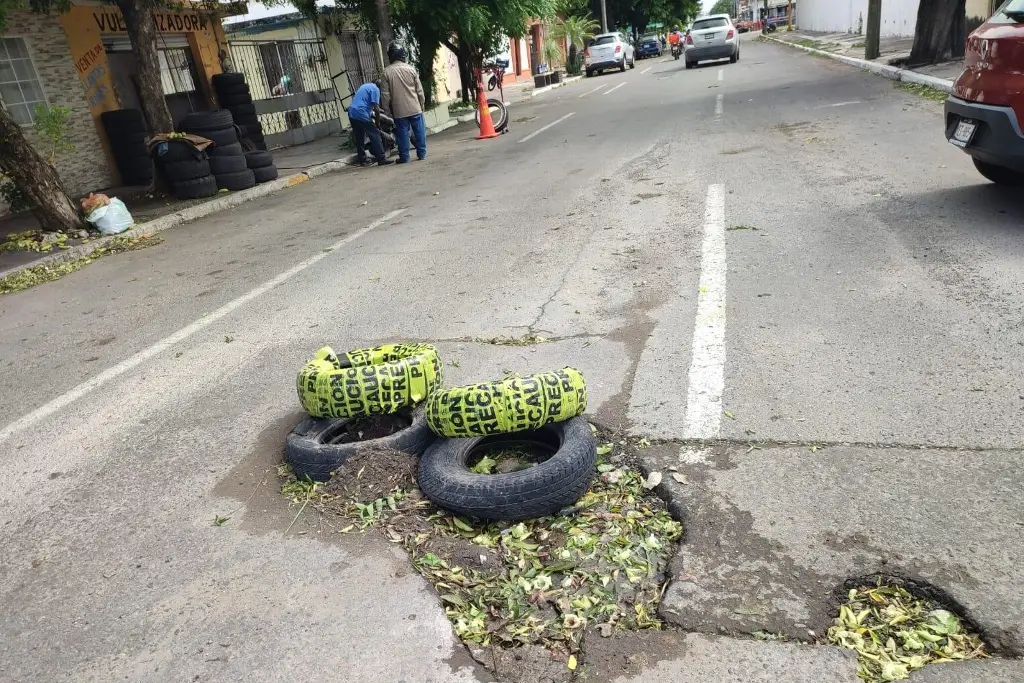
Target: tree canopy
{"type": "Point", "coordinates": [722, 7]}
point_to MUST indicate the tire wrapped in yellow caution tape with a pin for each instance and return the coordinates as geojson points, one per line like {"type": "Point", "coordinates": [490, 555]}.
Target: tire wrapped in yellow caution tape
{"type": "Point", "coordinates": [514, 404]}
{"type": "Point", "coordinates": [376, 381]}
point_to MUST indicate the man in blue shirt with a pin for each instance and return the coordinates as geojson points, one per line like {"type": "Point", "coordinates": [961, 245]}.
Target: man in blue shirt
{"type": "Point", "coordinates": [361, 114]}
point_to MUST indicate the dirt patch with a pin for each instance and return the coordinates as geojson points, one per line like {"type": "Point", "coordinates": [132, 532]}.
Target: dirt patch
{"type": "Point", "coordinates": [627, 654]}
{"type": "Point", "coordinates": [372, 427]}
{"type": "Point", "coordinates": [370, 475]}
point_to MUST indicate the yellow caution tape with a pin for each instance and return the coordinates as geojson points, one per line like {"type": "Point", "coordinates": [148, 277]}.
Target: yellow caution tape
{"type": "Point", "coordinates": [363, 382]}
{"type": "Point", "coordinates": [514, 404]}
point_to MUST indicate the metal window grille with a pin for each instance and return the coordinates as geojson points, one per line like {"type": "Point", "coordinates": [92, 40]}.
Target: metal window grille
{"type": "Point", "coordinates": [20, 89]}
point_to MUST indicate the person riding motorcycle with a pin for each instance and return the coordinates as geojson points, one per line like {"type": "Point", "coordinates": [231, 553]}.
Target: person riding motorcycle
{"type": "Point", "coordinates": [676, 40]}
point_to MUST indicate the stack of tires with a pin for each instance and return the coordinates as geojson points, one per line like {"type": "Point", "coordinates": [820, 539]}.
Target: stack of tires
{"type": "Point", "coordinates": [185, 168]}
{"type": "Point", "coordinates": [233, 94]}
{"type": "Point", "coordinates": [227, 160]}
{"type": "Point", "coordinates": [262, 165]}
{"type": "Point", "coordinates": [127, 132]}
{"type": "Point", "coordinates": [541, 413]}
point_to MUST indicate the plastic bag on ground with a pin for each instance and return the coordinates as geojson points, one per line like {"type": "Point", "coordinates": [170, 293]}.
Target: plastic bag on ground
{"type": "Point", "coordinates": [112, 218]}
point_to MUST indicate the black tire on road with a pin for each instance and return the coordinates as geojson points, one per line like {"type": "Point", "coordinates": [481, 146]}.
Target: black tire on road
{"type": "Point", "coordinates": [190, 169]}
{"type": "Point", "coordinates": [589, 73]}
{"type": "Point", "coordinates": [624, 65]}
{"type": "Point", "coordinates": [194, 189]}
{"type": "Point", "coordinates": [232, 150]}
{"type": "Point", "coordinates": [1000, 175]}
{"type": "Point", "coordinates": [259, 159]}
{"type": "Point", "coordinates": [242, 180]}
{"type": "Point", "coordinates": [544, 489]}
{"type": "Point", "coordinates": [311, 453]}
{"type": "Point", "coordinates": [499, 114]}
{"type": "Point", "coordinates": [227, 164]}
{"type": "Point", "coordinates": [265, 174]}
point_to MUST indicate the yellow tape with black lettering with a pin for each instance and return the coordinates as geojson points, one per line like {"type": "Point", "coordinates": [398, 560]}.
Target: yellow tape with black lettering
{"type": "Point", "coordinates": [514, 404]}
{"type": "Point", "coordinates": [363, 382]}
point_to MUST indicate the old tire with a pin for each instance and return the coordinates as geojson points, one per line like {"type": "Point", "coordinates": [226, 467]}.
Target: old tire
{"type": "Point", "coordinates": [544, 489]}
{"type": "Point", "coordinates": [242, 109]}
{"type": "Point", "coordinates": [190, 169]}
{"type": "Point", "coordinates": [513, 404]}
{"type": "Point", "coordinates": [312, 453]}
{"type": "Point", "coordinates": [206, 121]}
{"type": "Point", "coordinates": [175, 150]}
{"type": "Point", "coordinates": [232, 150]}
{"type": "Point", "coordinates": [194, 189]}
{"type": "Point", "coordinates": [499, 114]}
{"type": "Point", "coordinates": [222, 165]}
{"type": "Point", "coordinates": [259, 159]}
{"type": "Point", "coordinates": [1000, 175]}
{"type": "Point", "coordinates": [363, 382]}
{"type": "Point", "coordinates": [228, 78]}
{"type": "Point", "coordinates": [264, 174]}
{"type": "Point", "coordinates": [220, 138]}
{"type": "Point", "coordinates": [234, 182]}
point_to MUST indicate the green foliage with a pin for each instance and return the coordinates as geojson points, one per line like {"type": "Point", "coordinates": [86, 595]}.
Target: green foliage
{"type": "Point", "coordinates": [722, 7]}
{"type": "Point", "coordinates": [53, 124]}
{"type": "Point", "coordinates": [552, 52]}
{"type": "Point", "coordinates": [575, 30]}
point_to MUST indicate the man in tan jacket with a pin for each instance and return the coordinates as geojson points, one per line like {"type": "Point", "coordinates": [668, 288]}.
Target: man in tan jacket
{"type": "Point", "coordinates": [402, 95]}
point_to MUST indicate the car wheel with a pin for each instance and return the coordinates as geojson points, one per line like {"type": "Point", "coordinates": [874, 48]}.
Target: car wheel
{"type": "Point", "coordinates": [735, 58]}
{"type": "Point", "coordinates": [1000, 175]}
{"type": "Point", "coordinates": [632, 63]}
{"type": "Point", "coordinates": [689, 65]}
{"type": "Point", "coordinates": [622, 67]}
{"type": "Point", "coordinates": [589, 73]}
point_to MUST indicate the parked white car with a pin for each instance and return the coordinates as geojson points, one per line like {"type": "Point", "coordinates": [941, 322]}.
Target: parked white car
{"type": "Point", "coordinates": [713, 37]}
{"type": "Point", "coordinates": [608, 51]}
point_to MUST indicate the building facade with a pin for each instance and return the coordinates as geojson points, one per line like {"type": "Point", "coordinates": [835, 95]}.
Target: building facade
{"type": "Point", "coordinates": [899, 17]}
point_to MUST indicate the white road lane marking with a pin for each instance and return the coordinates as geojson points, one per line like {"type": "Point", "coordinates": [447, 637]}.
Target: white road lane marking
{"type": "Point", "coordinates": [838, 104]}
{"type": "Point", "coordinates": [614, 89]}
{"type": "Point", "coordinates": [646, 70]}
{"type": "Point", "coordinates": [721, 74]}
{"type": "Point", "coordinates": [544, 128]}
{"type": "Point", "coordinates": [719, 107]}
{"type": "Point", "coordinates": [591, 92]}
{"type": "Point", "coordinates": [184, 333]}
{"type": "Point", "coordinates": [707, 365]}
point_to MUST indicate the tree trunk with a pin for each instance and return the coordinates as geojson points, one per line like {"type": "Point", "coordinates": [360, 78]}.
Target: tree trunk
{"type": "Point", "coordinates": [384, 29]}
{"type": "Point", "coordinates": [38, 179]}
{"type": "Point", "coordinates": [138, 18]}
{"type": "Point", "coordinates": [466, 74]}
{"type": "Point", "coordinates": [935, 33]}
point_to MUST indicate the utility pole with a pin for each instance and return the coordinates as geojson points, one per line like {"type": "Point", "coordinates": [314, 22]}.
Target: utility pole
{"type": "Point", "coordinates": [872, 40]}
{"type": "Point", "coordinates": [604, 17]}
{"type": "Point", "coordinates": [789, 13]}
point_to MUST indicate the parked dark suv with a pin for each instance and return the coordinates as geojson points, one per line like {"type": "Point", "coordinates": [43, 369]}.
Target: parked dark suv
{"type": "Point", "coordinates": [985, 114]}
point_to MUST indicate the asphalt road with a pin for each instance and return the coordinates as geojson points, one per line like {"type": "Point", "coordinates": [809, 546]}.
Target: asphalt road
{"type": "Point", "coordinates": [866, 336]}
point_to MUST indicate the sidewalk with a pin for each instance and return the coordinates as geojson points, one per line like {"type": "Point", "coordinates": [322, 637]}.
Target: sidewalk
{"type": "Point", "coordinates": [895, 52]}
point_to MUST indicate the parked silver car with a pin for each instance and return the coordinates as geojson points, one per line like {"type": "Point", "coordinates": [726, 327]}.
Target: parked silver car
{"type": "Point", "coordinates": [713, 37]}
{"type": "Point", "coordinates": [608, 51]}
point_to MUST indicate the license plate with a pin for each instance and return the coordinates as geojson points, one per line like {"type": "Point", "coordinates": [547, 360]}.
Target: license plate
{"type": "Point", "coordinates": [709, 36]}
{"type": "Point", "coordinates": [964, 133]}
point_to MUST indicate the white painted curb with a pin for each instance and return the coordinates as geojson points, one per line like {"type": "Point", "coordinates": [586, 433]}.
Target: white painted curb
{"type": "Point", "coordinates": [890, 72]}
{"type": "Point", "coordinates": [546, 88]}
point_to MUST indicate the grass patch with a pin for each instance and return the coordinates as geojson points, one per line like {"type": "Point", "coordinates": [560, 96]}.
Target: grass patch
{"type": "Point", "coordinates": [894, 633]}
{"type": "Point", "coordinates": [30, 277]}
{"type": "Point", "coordinates": [525, 340]}
{"type": "Point", "coordinates": [597, 568]}
{"type": "Point", "coordinates": [925, 91]}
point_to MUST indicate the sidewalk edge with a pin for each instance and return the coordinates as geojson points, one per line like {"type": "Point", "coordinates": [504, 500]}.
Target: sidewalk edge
{"type": "Point", "coordinates": [884, 70]}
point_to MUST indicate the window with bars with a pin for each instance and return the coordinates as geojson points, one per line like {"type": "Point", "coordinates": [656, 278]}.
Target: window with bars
{"type": "Point", "coordinates": [20, 89]}
{"type": "Point", "coordinates": [176, 71]}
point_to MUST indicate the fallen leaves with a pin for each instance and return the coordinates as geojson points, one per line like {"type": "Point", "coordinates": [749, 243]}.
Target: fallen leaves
{"type": "Point", "coordinates": [894, 633]}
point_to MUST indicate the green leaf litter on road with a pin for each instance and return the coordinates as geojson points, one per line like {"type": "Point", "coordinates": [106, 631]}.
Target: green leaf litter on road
{"type": "Point", "coordinates": [925, 91]}
{"type": "Point", "coordinates": [599, 567]}
{"type": "Point", "coordinates": [30, 277]}
{"type": "Point", "coordinates": [894, 633]}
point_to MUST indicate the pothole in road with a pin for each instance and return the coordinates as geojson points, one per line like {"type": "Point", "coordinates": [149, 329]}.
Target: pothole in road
{"type": "Point", "coordinates": [522, 597]}
{"type": "Point", "coordinates": [894, 632]}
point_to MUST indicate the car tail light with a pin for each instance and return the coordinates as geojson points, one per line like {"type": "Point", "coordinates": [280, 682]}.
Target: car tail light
{"type": "Point", "coordinates": [689, 39]}
{"type": "Point", "coordinates": [618, 49]}
{"type": "Point", "coordinates": [586, 53]}
{"type": "Point", "coordinates": [729, 35]}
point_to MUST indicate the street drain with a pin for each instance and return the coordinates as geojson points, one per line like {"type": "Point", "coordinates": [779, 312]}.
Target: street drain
{"type": "Point", "coordinates": [526, 592]}
{"type": "Point", "coordinates": [895, 632]}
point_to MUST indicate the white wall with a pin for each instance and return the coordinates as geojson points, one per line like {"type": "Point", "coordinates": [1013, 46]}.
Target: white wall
{"type": "Point", "coordinates": [849, 16]}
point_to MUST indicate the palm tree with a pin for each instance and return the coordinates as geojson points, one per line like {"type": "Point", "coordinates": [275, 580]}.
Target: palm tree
{"type": "Point", "coordinates": [575, 31]}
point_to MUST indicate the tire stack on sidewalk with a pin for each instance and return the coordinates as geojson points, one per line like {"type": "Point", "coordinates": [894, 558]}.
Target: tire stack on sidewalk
{"type": "Point", "coordinates": [262, 165]}
{"type": "Point", "coordinates": [227, 160]}
{"type": "Point", "coordinates": [541, 413]}
{"type": "Point", "coordinates": [233, 94]}
{"type": "Point", "coordinates": [127, 132]}
{"type": "Point", "coordinates": [185, 168]}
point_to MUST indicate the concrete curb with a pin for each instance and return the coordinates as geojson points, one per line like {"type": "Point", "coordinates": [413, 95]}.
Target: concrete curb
{"type": "Point", "coordinates": [186, 215]}
{"type": "Point", "coordinates": [885, 70]}
{"type": "Point", "coordinates": [546, 88]}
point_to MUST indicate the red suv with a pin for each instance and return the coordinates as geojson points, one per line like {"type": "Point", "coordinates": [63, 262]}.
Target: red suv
{"type": "Point", "coordinates": [985, 114]}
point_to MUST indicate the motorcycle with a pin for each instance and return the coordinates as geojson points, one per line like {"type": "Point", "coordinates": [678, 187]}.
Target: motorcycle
{"type": "Point", "coordinates": [769, 27]}
{"type": "Point", "coordinates": [677, 49]}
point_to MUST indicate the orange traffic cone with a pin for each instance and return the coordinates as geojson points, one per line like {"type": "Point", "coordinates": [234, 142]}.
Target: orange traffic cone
{"type": "Point", "coordinates": [486, 125]}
